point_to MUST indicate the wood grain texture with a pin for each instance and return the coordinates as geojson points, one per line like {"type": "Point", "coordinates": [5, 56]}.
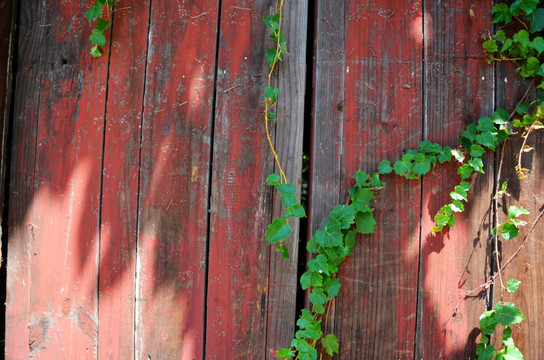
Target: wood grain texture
{"type": "Point", "coordinates": [241, 201]}
{"type": "Point", "coordinates": [120, 176]}
{"type": "Point", "coordinates": [527, 266]}
{"type": "Point", "coordinates": [383, 108]}
{"type": "Point", "coordinates": [458, 90]}
{"type": "Point", "coordinates": [176, 145]}
{"type": "Point", "coordinates": [66, 101]}
{"type": "Point", "coordinates": [289, 134]}
{"type": "Point", "coordinates": [21, 188]}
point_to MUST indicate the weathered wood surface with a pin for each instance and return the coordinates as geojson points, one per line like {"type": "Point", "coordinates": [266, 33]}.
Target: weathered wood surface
{"type": "Point", "coordinates": [458, 90]}
{"type": "Point", "coordinates": [527, 266]}
{"type": "Point", "coordinates": [137, 198]}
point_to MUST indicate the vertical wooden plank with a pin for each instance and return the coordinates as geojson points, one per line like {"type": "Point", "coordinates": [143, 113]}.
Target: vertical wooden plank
{"type": "Point", "coordinates": [289, 134]}
{"type": "Point", "coordinates": [22, 180]}
{"type": "Point", "coordinates": [60, 214]}
{"type": "Point", "coordinates": [241, 200]}
{"type": "Point", "coordinates": [382, 107]}
{"type": "Point", "coordinates": [458, 90]}
{"type": "Point", "coordinates": [527, 265]}
{"type": "Point", "coordinates": [120, 180]}
{"type": "Point", "coordinates": [171, 260]}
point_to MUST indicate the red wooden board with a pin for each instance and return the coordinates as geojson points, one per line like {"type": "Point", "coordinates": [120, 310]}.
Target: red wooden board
{"type": "Point", "coordinates": [383, 107]}
{"type": "Point", "coordinates": [458, 90]}
{"type": "Point", "coordinates": [61, 216]}
{"type": "Point", "coordinates": [176, 144]}
{"type": "Point", "coordinates": [120, 176]}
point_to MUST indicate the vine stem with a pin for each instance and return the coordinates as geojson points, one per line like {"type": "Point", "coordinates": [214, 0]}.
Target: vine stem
{"type": "Point", "coordinates": [279, 9]}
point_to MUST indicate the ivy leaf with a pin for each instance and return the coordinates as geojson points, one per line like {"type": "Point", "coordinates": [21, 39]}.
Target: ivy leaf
{"type": "Point", "coordinates": [277, 231]}
{"type": "Point", "coordinates": [384, 167]}
{"type": "Point", "coordinates": [317, 296]}
{"type": "Point", "coordinates": [508, 314]}
{"type": "Point", "coordinates": [501, 13]}
{"type": "Point", "coordinates": [522, 37]}
{"type": "Point", "coordinates": [306, 318]}
{"type": "Point", "coordinates": [485, 352]}
{"type": "Point", "coordinates": [321, 265]}
{"type": "Point", "coordinates": [94, 12]}
{"type": "Point", "coordinates": [102, 24]}
{"type": "Point", "coordinates": [349, 241]}
{"type": "Point", "coordinates": [297, 211]}
{"type": "Point", "coordinates": [422, 168]}
{"type": "Point", "coordinates": [445, 155]}
{"type": "Point", "coordinates": [330, 235]}
{"type": "Point", "coordinates": [361, 177]}
{"type": "Point", "coordinates": [537, 24]}
{"type": "Point", "coordinates": [365, 222]}
{"type": "Point", "coordinates": [488, 324]}
{"type": "Point", "coordinates": [344, 215]}
{"type": "Point", "coordinates": [400, 167]}
{"type": "Point", "coordinates": [285, 353]}
{"type": "Point", "coordinates": [490, 46]}
{"type": "Point", "coordinates": [270, 55]}
{"type": "Point", "coordinates": [361, 199]}
{"type": "Point", "coordinates": [512, 353]}
{"type": "Point", "coordinates": [514, 212]}
{"type": "Point", "coordinates": [477, 164]}
{"type": "Point", "coordinates": [457, 206]}
{"type": "Point", "coordinates": [95, 51]}
{"type": "Point", "coordinates": [465, 171]}
{"type": "Point", "coordinates": [273, 179]}
{"type": "Point", "coordinates": [537, 43]}
{"type": "Point", "coordinates": [375, 181]}
{"type": "Point", "coordinates": [512, 285]}
{"type": "Point", "coordinates": [476, 151]}
{"type": "Point", "coordinates": [332, 286]}
{"type": "Point", "coordinates": [97, 37]}
{"type": "Point", "coordinates": [311, 279]}
{"type": "Point", "coordinates": [459, 193]}
{"type": "Point", "coordinates": [330, 343]}
{"type": "Point", "coordinates": [509, 231]}
{"type": "Point", "coordinates": [283, 250]}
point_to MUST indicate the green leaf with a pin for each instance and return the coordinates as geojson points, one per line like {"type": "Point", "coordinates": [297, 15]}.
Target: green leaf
{"type": "Point", "coordinates": [270, 55]}
{"type": "Point", "coordinates": [332, 286]}
{"type": "Point", "coordinates": [285, 353]}
{"type": "Point", "coordinates": [296, 211]}
{"type": "Point", "coordinates": [459, 193]}
{"type": "Point", "coordinates": [270, 94]}
{"type": "Point", "coordinates": [488, 324]}
{"type": "Point", "coordinates": [514, 212]}
{"type": "Point", "coordinates": [330, 343]}
{"type": "Point", "coordinates": [522, 37]}
{"type": "Point", "coordinates": [362, 178]}
{"type": "Point", "coordinates": [422, 168]}
{"type": "Point", "coordinates": [94, 12]}
{"type": "Point", "coordinates": [537, 23]}
{"type": "Point", "coordinates": [477, 164]}
{"type": "Point", "coordinates": [501, 13]}
{"type": "Point", "coordinates": [485, 352]}
{"type": "Point", "coordinates": [102, 24]}
{"type": "Point", "coordinates": [384, 167]}
{"type": "Point", "coordinates": [465, 171]}
{"type": "Point", "coordinates": [344, 215]}
{"type": "Point", "coordinates": [349, 241]}
{"type": "Point", "coordinates": [400, 167]}
{"type": "Point", "coordinates": [330, 235]}
{"type": "Point", "coordinates": [508, 314]}
{"type": "Point", "coordinates": [445, 155]}
{"type": "Point", "coordinates": [317, 296]}
{"type": "Point", "coordinates": [512, 285]}
{"type": "Point", "coordinates": [273, 179]}
{"type": "Point", "coordinates": [476, 151]}
{"type": "Point", "coordinates": [306, 318]}
{"type": "Point", "coordinates": [490, 46]}
{"type": "Point", "coordinates": [321, 265]}
{"type": "Point", "coordinates": [277, 231]}
{"type": "Point", "coordinates": [485, 124]}
{"type": "Point", "coordinates": [271, 116]}
{"type": "Point", "coordinates": [512, 353]}
{"type": "Point", "coordinates": [365, 222]}
{"type": "Point", "coordinates": [457, 206]}
{"type": "Point", "coordinates": [537, 44]}
{"type": "Point", "coordinates": [95, 51]}
{"type": "Point", "coordinates": [487, 139]}
{"type": "Point", "coordinates": [509, 231]}
{"type": "Point", "coordinates": [375, 180]}
{"type": "Point", "coordinates": [361, 199]}
{"type": "Point", "coordinates": [97, 38]}
{"type": "Point", "coordinates": [283, 250]}
{"type": "Point", "coordinates": [311, 278]}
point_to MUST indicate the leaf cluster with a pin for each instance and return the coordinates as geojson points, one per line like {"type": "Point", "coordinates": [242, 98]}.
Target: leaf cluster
{"type": "Point", "coordinates": [276, 53]}
{"type": "Point", "coordinates": [523, 47]}
{"type": "Point", "coordinates": [509, 229]}
{"type": "Point", "coordinates": [96, 13]}
{"type": "Point", "coordinates": [280, 229]}
{"type": "Point", "coordinates": [505, 314]}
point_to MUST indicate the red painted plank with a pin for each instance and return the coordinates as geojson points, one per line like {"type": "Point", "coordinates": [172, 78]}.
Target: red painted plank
{"type": "Point", "coordinates": [458, 90]}
{"type": "Point", "coordinates": [120, 180]}
{"type": "Point", "coordinates": [22, 183]}
{"type": "Point", "coordinates": [239, 254]}
{"type": "Point", "coordinates": [171, 261]}
{"type": "Point", "coordinates": [382, 106]}
{"type": "Point", "coordinates": [61, 217]}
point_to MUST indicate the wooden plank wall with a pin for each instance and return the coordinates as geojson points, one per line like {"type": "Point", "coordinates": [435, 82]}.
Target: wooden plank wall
{"type": "Point", "coordinates": [137, 195]}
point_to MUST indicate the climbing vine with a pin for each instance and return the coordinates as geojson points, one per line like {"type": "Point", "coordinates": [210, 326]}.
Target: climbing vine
{"type": "Point", "coordinates": [331, 244]}
{"type": "Point", "coordinates": [100, 13]}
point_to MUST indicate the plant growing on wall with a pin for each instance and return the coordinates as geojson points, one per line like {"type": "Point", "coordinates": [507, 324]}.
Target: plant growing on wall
{"type": "Point", "coordinates": [331, 244]}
